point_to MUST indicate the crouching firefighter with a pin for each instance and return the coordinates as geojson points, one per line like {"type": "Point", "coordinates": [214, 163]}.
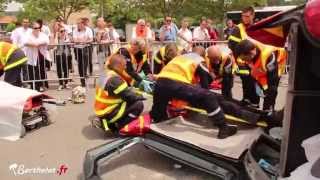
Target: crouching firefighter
{"type": "Point", "coordinates": [267, 64]}
{"type": "Point", "coordinates": [116, 104]}
{"type": "Point", "coordinates": [223, 67]}
{"type": "Point", "coordinates": [177, 81]}
{"type": "Point", "coordinates": [164, 56]}
{"type": "Point", "coordinates": [11, 61]}
{"type": "Point", "coordinates": [137, 64]}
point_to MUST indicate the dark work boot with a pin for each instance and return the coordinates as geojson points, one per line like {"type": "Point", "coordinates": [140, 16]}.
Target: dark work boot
{"type": "Point", "coordinates": [226, 131]}
{"type": "Point", "coordinates": [275, 118]}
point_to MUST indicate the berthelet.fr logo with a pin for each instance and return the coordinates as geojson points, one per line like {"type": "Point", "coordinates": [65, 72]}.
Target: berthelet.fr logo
{"type": "Point", "coordinates": [20, 170]}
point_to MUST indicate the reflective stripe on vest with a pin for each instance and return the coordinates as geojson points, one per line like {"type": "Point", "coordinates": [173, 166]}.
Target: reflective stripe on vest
{"type": "Point", "coordinates": [182, 68]}
{"type": "Point", "coordinates": [104, 103]}
{"type": "Point", "coordinates": [259, 70]}
{"type": "Point", "coordinates": [243, 34]}
{"type": "Point", "coordinates": [162, 53]}
{"type": "Point", "coordinates": [6, 50]}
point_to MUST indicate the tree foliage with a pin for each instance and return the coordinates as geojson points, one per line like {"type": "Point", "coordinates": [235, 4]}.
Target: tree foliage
{"type": "Point", "coordinates": [123, 11]}
{"type": "Point", "coordinates": [48, 9]}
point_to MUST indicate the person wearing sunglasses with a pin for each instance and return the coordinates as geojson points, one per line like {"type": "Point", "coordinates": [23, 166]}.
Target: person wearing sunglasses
{"type": "Point", "coordinates": [169, 31]}
{"type": "Point", "coordinates": [62, 53]}
{"type": "Point", "coordinates": [36, 51]}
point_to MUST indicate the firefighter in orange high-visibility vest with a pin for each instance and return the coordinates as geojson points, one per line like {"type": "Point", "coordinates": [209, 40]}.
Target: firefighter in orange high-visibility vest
{"type": "Point", "coordinates": [138, 66]}
{"type": "Point", "coordinates": [116, 103]}
{"type": "Point", "coordinates": [11, 60]}
{"type": "Point", "coordinates": [267, 64]}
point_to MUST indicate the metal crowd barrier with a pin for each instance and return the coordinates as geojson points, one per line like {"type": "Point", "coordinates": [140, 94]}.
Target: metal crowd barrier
{"type": "Point", "coordinates": [70, 62]}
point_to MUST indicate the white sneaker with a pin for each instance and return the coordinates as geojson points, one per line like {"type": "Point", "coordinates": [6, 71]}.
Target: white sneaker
{"type": "Point", "coordinates": [60, 88]}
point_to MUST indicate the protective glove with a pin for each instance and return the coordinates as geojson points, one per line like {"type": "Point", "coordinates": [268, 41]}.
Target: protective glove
{"type": "Point", "coordinates": [142, 75]}
{"type": "Point", "coordinates": [146, 86]}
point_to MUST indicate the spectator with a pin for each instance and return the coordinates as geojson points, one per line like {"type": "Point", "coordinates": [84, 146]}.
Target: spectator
{"type": "Point", "coordinates": [45, 29]}
{"type": "Point", "coordinates": [81, 38]}
{"type": "Point", "coordinates": [213, 33]}
{"type": "Point", "coordinates": [113, 34]}
{"type": "Point", "coordinates": [114, 37]}
{"type": "Point", "coordinates": [141, 30]}
{"type": "Point", "coordinates": [36, 50]}
{"type": "Point", "coordinates": [62, 53]}
{"type": "Point", "coordinates": [185, 36]}
{"type": "Point", "coordinates": [228, 30]}
{"type": "Point", "coordinates": [201, 33]}
{"type": "Point", "coordinates": [18, 35]}
{"type": "Point", "coordinates": [102, 37]}
{"type": "Point", "coordinates": [168, 32]}
{"type": "Point", "coordinates": [69, 31]}
{"type": "Point", "coordinates": [90, 47]}
{"type": "Point", "coordinates": [61, 23]}
{"type": "Point", "coordinates": [148, 24]}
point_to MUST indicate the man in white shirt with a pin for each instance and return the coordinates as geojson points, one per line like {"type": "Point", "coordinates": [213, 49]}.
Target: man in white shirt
{"type": "Point", "coordinates": [20, 33]}
{"type": "Point", "coordinates": [201, 33]}
{"type": "Point", "coordinates": [35, 46]}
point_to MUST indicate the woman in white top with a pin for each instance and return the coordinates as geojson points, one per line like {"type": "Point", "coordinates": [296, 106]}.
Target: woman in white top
{"type": "Point", "coordinates": [82, 38]}
{"type": "Point", "coordinates": [185, 36]}
{"type": "Point", "coordinates": [35, 47]}
{"type": "Point", "coordinates": [102, 37]}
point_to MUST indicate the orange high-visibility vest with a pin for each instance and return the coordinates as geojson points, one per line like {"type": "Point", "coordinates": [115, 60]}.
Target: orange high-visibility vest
{"type": "Point", "coordinates": [106, 103]}
{"type": "Point", "coordinates": [259, 69]}
{"type": "Point", "coordinates": [6, 50]}
{"type": "Point", "coordinates": [182, 68]}
{"type": "Point", "coordinates": [137, 66]}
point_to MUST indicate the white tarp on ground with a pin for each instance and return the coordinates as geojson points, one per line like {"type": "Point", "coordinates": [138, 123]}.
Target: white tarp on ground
{"type": "Point", "coordinates": [196, 130]}
{"type": "Point", "coordinates": [12, 101]}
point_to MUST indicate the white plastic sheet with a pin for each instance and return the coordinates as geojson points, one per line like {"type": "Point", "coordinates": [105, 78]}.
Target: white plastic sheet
{"type": "Point", "coordinates": [12, 101]}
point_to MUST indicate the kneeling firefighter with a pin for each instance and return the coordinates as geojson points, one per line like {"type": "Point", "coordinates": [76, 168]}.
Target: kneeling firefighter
{"type": "Point", "coordinates": [116, 104]}
{"type": "Point", "coordinates": [138, 67]}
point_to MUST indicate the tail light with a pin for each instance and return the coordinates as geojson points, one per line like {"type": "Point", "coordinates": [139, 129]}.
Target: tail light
{"type": "Point", "coordinates": [28, 105]}
{"type": "Point", "coordinates": [312, 18]}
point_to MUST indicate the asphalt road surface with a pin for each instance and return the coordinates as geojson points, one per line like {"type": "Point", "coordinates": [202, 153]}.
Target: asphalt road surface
{"type": "Point", "coordinates": [62, 145]}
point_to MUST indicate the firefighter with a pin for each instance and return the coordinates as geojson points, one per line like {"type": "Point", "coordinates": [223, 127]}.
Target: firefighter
{"type": "Point", "coordinates": [223, 66]}
{"type": "Point", "coordinates": [164, 55]}
{"type": "Point", "coordinates": [11, 61]}
{"type": "Point", "coordinates": [116, 104]}
{"type": "Point", "coordinates": [177, 81]}
{"type": "Point", "coordinates": [240, 33]}
{"type": "Point", "coordinates": [267, 64]}
{"type": "Point", "coordinates": [137, 63]}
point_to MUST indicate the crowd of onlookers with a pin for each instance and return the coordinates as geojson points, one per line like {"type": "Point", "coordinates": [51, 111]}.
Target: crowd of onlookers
{"type": "Point", "coordinates": [45, 46]}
